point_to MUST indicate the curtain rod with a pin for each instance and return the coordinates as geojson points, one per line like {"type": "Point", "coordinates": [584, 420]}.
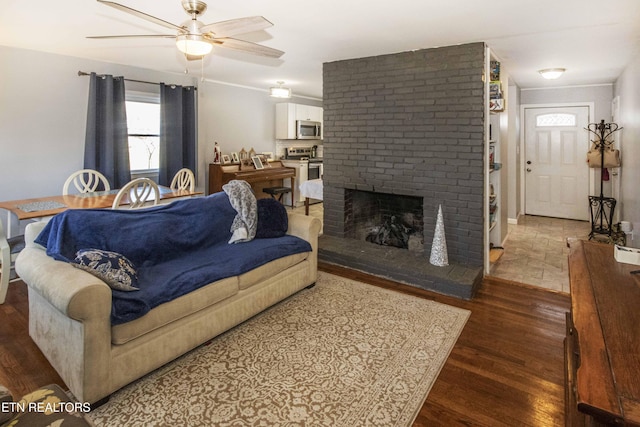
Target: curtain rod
{"type": "Point", "coordinates": [84, 73]}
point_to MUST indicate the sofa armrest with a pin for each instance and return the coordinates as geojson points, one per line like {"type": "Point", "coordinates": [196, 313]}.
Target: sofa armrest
{"type": "Point", "coordinates": [75, 293]}
{"type": "Point", "coordinates": [305, 227]}
{"type": "Point", "coordinates": [32, 231]}
{"type": "Point", "coordinates": [70, 321]}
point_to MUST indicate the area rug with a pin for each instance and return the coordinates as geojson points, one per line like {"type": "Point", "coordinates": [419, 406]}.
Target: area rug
{"type": "Point", "coordinates": [343, 353]}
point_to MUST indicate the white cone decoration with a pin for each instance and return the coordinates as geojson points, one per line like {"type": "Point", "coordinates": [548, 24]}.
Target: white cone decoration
{"type": "Point", "coordinates": [439, 247]}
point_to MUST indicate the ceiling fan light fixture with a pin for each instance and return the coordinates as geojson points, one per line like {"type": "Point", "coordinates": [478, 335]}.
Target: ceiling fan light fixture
{"type": "Point", "coordinates": [280, 91]}
{"type": "Point", "coordinates": [552, 73]}
{"type": "Point", "coordinates": [193, 44]}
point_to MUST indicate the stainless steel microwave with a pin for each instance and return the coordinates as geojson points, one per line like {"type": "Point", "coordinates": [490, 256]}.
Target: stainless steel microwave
{"type": "Point", "coordinates": [306, 129]}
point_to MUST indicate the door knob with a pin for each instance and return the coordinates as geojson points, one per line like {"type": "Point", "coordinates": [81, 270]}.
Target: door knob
{"type": "Point", "coordinates": [528, 170]}
{"type": "Point", "coordinates": [528, 162]}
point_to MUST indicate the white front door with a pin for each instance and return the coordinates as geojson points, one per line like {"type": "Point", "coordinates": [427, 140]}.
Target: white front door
{"type": "Point", "coordinates": [556, 171]}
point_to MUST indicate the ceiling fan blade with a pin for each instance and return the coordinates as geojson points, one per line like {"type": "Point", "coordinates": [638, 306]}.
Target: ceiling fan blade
{"type": "Point", "coordinates": [245, 46]}
{"type": "Point", "coordinates": [141, 14]}
{"type": "Point", "coordinates": [133, 36]}
{"type": "Point", "coordinates": [234, 27]}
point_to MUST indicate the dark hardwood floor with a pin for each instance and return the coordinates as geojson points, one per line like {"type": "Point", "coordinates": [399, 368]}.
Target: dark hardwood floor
{"type": "Point", "coordinates": [506, 368]}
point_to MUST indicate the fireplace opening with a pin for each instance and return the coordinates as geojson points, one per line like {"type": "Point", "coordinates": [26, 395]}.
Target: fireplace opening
{"type": "Point", "coordinates": [385, 219]}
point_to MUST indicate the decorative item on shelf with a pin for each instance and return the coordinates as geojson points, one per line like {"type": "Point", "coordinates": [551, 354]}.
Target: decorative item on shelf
{"type": "Point", "coordinates": [264, 159]}
{"type": "Point", "coordinates": [439, 256]}
{"type": "Point", "coordinates": [257, 162]}
{"type": "Point", "coordinates": [217, 154]}
{"type": "Point", "coordinates": [243, 154]}
{"type": "Point", "coordinates": [235, 158]}
{"type": "Point", "coordinates": [494, 70]}
{"type": "Point", "coordinates": [252, 152]}
{"type": "Point", "coordinates": [495, 90]}
{"type": "Point", "coordinates": [496, 105]}
{"type": "Point", "coordinates": [226, 159]}
{"type": "Point", "coordinates": [246, 164]}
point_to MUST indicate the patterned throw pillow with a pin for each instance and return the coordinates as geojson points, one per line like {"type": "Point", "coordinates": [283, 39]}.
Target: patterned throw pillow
{"type": "Point", "coordinates": [113, 268]}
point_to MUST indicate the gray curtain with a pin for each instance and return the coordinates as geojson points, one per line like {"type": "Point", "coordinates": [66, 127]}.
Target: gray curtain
{"type": "Point", "coordinates": [177, 130]}
{"type": "Point", "coordinates": [106, 146]}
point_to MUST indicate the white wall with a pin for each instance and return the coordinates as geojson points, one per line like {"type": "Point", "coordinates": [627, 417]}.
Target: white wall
{"type": "Point", "coordinates": [600, 95]}
{"type": "Point", "coordinates": [513, 156]}
{"type": "Point", "coordinates": [236, 118]}
{"type": "Point", "coordinates": [627, 87]}
{"type": "Point", "coordinates": [43, 104]}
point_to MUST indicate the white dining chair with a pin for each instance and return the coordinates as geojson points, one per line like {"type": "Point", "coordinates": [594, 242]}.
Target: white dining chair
{"type": "Point", "coordinates": [86, 181]}
{"type": "Point", "coordinates": [140, 192]}
{"type": "Point", "coordinates": [9, 249]}
{"type": "Point", "coordinates": [184, 179]}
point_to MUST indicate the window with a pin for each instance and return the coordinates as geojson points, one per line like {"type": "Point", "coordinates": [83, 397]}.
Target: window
{"type": "Point", "coordinates": [143, 122]}
{"type": "Point", "coordinates": [556, 119]}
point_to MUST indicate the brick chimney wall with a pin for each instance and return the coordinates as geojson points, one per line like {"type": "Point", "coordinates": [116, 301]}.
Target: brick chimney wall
{"type": "Point", "coordinates": [412, 124]}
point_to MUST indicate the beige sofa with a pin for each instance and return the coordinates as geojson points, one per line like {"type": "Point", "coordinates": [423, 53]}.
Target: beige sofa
{"type": "Point", "coordinates": [69, 314]}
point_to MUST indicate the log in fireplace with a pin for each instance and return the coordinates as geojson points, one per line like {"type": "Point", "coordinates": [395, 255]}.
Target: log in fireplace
{"type": "Point", "coordinates": [385, 219]}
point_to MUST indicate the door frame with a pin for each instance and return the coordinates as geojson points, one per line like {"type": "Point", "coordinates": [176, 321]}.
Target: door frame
{"type": "Point", "coordinates": [522, 149]}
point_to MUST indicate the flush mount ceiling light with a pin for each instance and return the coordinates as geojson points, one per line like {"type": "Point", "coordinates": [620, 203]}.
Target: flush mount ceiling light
{"type": "Point", "coordinates": [551, 73]}
{"type": "Point", "coordinates": [280, 91]}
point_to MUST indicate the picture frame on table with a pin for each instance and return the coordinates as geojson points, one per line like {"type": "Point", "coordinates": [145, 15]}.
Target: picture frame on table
{"type": "Point", "coordinates": [257, 162]}
{"type": "Point", "coordinates": [234, 157]}
{"type": "Point", "coordinates": [226, 159]}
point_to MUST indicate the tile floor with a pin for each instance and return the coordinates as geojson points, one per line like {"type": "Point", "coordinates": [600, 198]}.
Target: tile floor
{"type": "Point", "coordinates": [535, 252]}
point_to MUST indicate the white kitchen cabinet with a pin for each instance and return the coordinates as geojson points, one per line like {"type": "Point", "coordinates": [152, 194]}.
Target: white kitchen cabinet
{"type": "Point", "coordinates": [287, 113]}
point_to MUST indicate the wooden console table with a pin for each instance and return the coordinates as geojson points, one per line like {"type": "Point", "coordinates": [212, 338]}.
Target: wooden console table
{"type": "Point", "coordinates": [270, 176]}
{"type": "Point", "coordinates": [602, 347]}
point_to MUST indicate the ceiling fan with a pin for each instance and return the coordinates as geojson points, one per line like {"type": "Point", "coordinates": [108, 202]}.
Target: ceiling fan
{"type": "Point", "coordinates": [196, 39]}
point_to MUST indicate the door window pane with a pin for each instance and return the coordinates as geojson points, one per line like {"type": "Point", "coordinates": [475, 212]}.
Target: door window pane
{"type": "Point", "coordinates": [556, 119]}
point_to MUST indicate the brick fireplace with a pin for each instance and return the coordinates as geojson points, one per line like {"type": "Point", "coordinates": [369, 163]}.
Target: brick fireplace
{"type": "Point", "coordinates": [409, 124]}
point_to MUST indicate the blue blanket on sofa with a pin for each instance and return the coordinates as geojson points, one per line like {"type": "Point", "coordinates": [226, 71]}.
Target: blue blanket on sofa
{"type": "Point", "coordinates": [176, 248]}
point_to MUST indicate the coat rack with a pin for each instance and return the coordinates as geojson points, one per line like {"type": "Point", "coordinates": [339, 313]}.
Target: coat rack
{"type": "Point", "coordinates": [602, 208]}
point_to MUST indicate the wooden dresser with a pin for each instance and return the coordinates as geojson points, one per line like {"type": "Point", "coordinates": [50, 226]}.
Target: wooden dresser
{"type": "Point", "coordinates": [602, 347]}
{"type": "Point", "coordinates": [271, 176]}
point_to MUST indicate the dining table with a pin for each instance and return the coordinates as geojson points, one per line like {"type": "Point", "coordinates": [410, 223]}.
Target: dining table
{"type": "Point", "coordinates": [45, 207]}
{"type": "Point", "coordinates": [311, 189]}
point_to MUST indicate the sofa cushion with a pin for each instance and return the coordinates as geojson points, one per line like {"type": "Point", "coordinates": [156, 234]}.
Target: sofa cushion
{"type": "Point", "coordinates": [176, 277]}
{"type": "Point", "coordinates": [273, 220]}
{"type": "Point", "coordinates": [263, 272]}
{"type": "Point", "coordinates": [175, 310]}
{"type": "Point", "coordinates": [113, 268]}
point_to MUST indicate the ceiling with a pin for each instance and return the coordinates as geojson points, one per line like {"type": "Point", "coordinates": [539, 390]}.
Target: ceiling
{"type": "Point", "coordinates": [593, 39]}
